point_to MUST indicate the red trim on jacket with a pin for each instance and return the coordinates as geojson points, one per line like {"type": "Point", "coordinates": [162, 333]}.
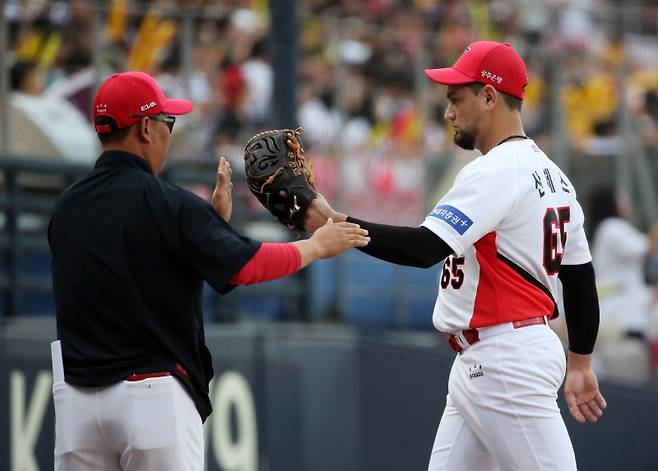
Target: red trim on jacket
{"type": "Point", "coordinates": [270, 262]}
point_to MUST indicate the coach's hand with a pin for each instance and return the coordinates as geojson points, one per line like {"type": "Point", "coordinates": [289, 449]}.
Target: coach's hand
{"type": "Point", "coordinates": [581, 389]}
{"type": "Point", "coordinates": [332, 239]}
{"type": "Point", "coordinates": [222, 199]}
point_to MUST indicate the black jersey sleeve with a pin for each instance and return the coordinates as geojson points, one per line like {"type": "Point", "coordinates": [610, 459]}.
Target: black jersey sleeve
{"type": "Point", "coordinates": [581, 306]}
{"type": "Point", "coordinates": [411, 246]}
{"type": "Point", "coordinates": [215, 249]}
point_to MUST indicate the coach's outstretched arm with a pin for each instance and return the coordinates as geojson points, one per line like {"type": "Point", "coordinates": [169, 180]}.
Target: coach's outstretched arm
{"type": "Point", "coordinates": [581, 311]}
{"type": "Point", "coordinates": [277, 260]}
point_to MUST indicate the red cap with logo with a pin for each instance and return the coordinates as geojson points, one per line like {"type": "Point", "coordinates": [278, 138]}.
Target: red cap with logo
{"type": "Point", "coordinates": [487, 62]}
{"type": "Point", "coordinates": [127, 96]}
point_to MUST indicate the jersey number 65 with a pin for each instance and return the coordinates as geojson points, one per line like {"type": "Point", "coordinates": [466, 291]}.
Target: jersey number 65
{"type": "Point", "coordinates": [555, 237]}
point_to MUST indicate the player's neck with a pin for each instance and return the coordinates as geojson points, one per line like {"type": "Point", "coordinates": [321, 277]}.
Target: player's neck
{"type": "Point", "coordinates": [506, 129]}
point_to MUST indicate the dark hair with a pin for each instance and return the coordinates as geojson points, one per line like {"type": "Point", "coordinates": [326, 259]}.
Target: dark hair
{"type": "Point", "coordinates": [172, 61]}
{"type": "Point", "coordinates": [602, 205]}
{"type": "Point", "coordinates": [19, 72]}
{"type": "Point", "coordinates": [77, 59]}
{"type": "Point", "coordinates": [260, 48]}
{"type": "Point", "coordinates": [512, 102]}
{"type": "Point", "coordinates": [651, 103]}
{"type": "Point", "coordinates": [116, 135]}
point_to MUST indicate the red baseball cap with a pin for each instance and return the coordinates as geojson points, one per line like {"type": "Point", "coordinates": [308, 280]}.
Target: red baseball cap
{"type": "Point", "coordinates": [487, 62]}
{"type": "Point", "coordinates": [127, 96]}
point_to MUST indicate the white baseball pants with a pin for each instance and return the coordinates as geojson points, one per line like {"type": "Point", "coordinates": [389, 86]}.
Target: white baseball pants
{"type": "Point", "coordinates": [143, 425]}
{"type": "Point", "coordinates": [501, 411]}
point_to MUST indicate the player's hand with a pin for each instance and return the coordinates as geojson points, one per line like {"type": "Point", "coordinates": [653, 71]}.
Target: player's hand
{"type": "Point", "coordinates": [222, 199]}
{"type": "Point", "coordinates": [319, 212]}
{"type": "Point", "coordinates": [581, 390]}
{"type": "Point", "coordinates": [334, 238]}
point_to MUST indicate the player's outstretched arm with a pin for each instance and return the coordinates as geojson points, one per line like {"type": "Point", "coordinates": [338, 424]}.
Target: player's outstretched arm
{"type": "Point", "coordinates": [410, 246]}
{"type": "Point", "coordinates": [581, 310]}
{"type": "Point", "coordinates": [318, 212]}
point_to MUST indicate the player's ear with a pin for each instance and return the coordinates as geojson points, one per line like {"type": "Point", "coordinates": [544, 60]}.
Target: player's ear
{"type": "Point", "coordinates": [490, 96]}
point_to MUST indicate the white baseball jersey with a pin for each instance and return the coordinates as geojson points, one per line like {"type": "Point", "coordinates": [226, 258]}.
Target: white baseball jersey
{"type": "Point", "coordinates": [619, 252]}
{"type": "Point", "coordinates": [512, 219]}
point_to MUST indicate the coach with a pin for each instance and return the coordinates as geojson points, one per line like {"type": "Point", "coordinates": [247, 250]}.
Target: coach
{"type": "Point", "coordinates": [130, 254]}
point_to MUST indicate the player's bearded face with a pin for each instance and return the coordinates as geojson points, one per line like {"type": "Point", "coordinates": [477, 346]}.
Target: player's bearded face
{"type": "Point", "coordinates": [462, 112]}
{"type": "Point", "coordinates": [465, 138]}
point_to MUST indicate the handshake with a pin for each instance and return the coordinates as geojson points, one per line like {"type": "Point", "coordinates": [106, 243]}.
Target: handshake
{"type": "Point", "coordinates": [279, 175]}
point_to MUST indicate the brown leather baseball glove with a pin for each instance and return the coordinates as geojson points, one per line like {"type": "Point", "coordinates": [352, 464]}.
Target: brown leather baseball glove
{"type": "Point", "coordinates": [279, 175]}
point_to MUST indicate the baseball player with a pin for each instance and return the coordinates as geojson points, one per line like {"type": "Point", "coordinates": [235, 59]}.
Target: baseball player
{"type": "Point", "coordinates": [620, 253]}
{"type": "Point", "coordinates": [506, 230]}
{"type": "Point", "coordinates": [130, 253]}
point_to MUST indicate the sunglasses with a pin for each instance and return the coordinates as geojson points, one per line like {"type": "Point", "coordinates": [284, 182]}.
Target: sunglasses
{"type": "Point", "coordinates": [163, 118]}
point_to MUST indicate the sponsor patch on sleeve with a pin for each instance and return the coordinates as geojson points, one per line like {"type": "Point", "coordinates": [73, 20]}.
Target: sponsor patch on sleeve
{"type": "Point", "coordinates": [454, 217]}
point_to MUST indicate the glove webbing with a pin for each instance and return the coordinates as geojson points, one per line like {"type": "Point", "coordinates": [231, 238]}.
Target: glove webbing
{"type": "Point", "coordinates": [296, 155]}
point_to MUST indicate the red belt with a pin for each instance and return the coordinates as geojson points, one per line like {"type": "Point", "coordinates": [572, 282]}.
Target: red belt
{"type": "Point", "coordinates": [141, 376]}
{"type": "Point", "coordinates": [472, 335]}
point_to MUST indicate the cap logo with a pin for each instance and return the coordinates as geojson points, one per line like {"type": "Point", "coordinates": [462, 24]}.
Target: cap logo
{"type": "Point", "coordinates": [491, 76]}
{"type": "Point", "coordinates": [101, 108]}
{"type": "Point", "coordinates": [147, 106]}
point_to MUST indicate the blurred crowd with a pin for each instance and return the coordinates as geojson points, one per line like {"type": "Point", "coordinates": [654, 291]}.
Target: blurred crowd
{"type": "Point", "coordinates": [361, 90]}
{"type": "Point", "coordinates": [373, 125]}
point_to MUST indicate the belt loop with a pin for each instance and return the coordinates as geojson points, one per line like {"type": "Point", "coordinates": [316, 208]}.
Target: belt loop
{"type": "Point", "coordinates": [461, 340]}
{"type": "Point", "coordinates": [454, 344]}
